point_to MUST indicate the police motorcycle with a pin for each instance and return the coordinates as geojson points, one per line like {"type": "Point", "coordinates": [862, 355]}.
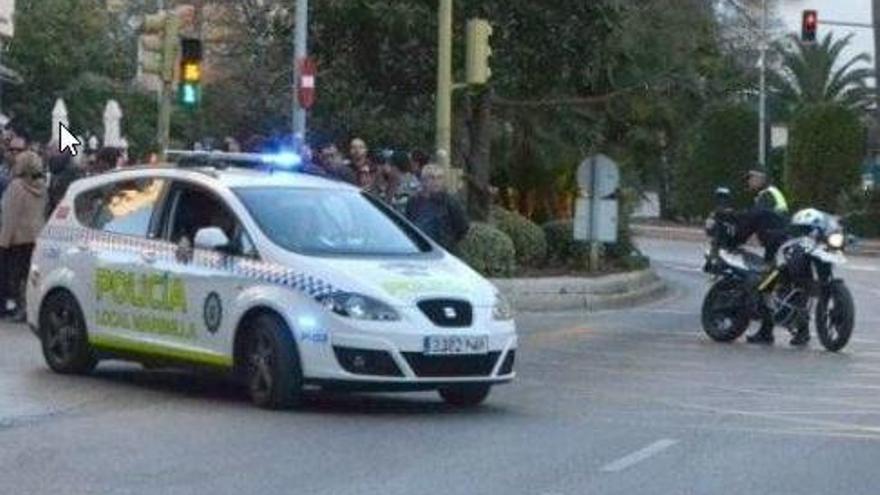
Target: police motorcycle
{"type": "Point", "coordinates": [798, 284]}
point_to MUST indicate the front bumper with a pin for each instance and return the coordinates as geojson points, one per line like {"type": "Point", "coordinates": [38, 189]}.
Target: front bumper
{"type": "Point", "coordinates": [390, 355]}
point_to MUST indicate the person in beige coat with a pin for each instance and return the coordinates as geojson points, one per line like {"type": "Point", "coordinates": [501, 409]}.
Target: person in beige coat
{"type": "Point", "coordinates": [22, 216]}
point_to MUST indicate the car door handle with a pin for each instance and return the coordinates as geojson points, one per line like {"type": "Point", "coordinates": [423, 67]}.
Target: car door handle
{"type": "Point", "coordinates": [149, 256]}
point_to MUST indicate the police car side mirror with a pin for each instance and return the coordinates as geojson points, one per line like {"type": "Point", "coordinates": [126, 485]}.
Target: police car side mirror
{"type": "Point", "coordinates": [211, 238]}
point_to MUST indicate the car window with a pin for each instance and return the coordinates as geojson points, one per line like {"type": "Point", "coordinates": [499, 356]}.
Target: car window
{"type": "Point", "coordinates": [194, 208]}
{"type": "Point", "coordinates": [120, 208]}
{"type": "Point", "coordinates": [329, 221]}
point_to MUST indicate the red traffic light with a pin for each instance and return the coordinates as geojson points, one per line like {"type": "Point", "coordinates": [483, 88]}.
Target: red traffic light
{"type": "Point", "coordinates": [809, 26]}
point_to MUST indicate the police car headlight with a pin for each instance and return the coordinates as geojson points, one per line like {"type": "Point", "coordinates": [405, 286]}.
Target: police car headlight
{"type": "Point", "coordinates": [359, 307]}
{"type": "Point", "coordinates": [836, 240]}
{"type": "Point", "coordinates": [502, 309]}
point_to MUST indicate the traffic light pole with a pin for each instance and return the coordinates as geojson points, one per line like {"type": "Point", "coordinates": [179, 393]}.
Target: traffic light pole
{"type": "Point", "coordinates": [762, 120]}
{"type": "Point", "coordinates": [163, 129]}
{"type": "Point", "coordinates": [300, 51]}
{"type": "Point", "coordinates": [444, 86]}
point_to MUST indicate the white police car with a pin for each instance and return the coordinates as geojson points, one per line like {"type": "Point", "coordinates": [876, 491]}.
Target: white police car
{"type": "Point", "coordinates": [285, 280]}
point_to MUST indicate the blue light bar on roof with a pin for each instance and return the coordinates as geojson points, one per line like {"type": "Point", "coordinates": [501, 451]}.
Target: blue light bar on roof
{"type": "Point", "coordinates": [284, 159]}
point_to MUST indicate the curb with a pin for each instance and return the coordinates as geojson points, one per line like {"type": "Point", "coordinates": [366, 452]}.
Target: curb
{"type": "Point", "coordinates": [584, 294]}
{"type": "Point", "coordinates": [868, 248]}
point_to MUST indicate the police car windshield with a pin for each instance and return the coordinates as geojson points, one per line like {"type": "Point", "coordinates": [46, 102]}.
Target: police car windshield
{"type": "Point", "coordinates": [329, 222]}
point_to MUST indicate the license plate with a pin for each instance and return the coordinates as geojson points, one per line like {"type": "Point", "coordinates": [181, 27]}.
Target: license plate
{"type": "Point", "coordinates": [456, 344]}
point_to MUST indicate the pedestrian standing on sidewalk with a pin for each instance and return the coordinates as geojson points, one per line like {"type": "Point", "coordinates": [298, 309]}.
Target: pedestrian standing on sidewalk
{"type": "Point", "coordinates": [387, 181]}
{"type": "Point", "coordinates": [22, 216]}
{"type": "Point", "coordinates": [16, 145]}
{"type": "Point", "coordinates": [408, 184]}
{"type": "Point", "coordinates": [436, 212]}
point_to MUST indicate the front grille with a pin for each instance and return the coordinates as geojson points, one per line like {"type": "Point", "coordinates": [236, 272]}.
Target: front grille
{"type": "Point", "coordinates": [507, 365]}
{"type": "Point", "coordinates": [450, 313]}
{"type": "Point", "coordinates": [443, 366]}
{"type": "Point", "coordinates": [366, 362]}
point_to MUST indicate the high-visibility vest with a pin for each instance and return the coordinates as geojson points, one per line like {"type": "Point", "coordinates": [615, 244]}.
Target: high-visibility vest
{"type": "Point", "coordinates": [781, 205]}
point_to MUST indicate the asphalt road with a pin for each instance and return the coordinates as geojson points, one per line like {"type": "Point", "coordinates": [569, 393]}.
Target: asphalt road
{"type": "Point", "coordinates": [622, 402]}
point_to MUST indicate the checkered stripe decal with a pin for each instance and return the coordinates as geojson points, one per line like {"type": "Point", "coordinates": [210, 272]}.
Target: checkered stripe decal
{"type": "Point", "coordinates": [260, 271]}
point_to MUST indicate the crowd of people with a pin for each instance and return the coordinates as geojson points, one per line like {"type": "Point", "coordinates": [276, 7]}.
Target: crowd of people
{"type": "Point", "coordinates": [34, 178]}
{"type": "Point", "coordinates": [406, 181]}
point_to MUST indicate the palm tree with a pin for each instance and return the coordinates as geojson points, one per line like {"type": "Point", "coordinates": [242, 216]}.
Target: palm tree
{"type": "Point", "coordinates": [812, 73]}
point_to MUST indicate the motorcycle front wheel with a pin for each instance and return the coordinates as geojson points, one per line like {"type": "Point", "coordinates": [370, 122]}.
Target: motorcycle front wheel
{"type": "Point", "coordinates": [725, 313]}
{"type": "Point", "coordinates": [835, 316]}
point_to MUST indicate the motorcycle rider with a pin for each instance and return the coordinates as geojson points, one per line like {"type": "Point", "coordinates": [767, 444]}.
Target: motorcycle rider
{"type": "Point", "coordinates": [768, 219]}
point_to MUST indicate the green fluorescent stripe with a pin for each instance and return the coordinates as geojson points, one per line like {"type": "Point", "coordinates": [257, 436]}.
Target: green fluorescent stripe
{"type": "Point", "coordinates": [114, 343]}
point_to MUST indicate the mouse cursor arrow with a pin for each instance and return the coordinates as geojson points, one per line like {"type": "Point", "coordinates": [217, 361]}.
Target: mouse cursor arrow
{"type": "Point", "coordinates": [66, 140]}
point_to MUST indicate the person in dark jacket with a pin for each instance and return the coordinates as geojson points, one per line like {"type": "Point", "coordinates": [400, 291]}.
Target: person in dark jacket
{"type": "Point", "coordinates": [436, 212]}
{"type": "Point", "coordinates": [64, 173]}
{"type": "Point", "coordinates": [768, 220]}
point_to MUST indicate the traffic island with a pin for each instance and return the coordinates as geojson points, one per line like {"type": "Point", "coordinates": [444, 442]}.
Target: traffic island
{"type": "Point", "coordinates": [582, 293]}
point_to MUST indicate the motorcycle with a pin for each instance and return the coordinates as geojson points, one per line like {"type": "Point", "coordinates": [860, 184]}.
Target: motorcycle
{"type": "Point", "coordinates": [798, 283]}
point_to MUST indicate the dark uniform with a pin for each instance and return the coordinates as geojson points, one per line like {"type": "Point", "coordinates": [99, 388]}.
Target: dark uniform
{"type": "Point", "coordinates": [769, 220]}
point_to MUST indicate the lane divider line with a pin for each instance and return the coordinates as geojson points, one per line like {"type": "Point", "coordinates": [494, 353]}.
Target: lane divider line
{"type": "Point", "coordinates": [639, 456]}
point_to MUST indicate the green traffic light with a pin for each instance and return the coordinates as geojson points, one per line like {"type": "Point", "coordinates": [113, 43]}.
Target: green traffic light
{"type": "Point", "coordinates": [189, 94]}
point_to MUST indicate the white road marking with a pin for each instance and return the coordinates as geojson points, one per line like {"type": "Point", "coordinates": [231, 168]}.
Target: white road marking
{"type": "Point", "coordinates": [669, 311]}
{"type": "Point", "coordinates": [681, 267]}
{"type": "Point", "coordinates": [639, 456]}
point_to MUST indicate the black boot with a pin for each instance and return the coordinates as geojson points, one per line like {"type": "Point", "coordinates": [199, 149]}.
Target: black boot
{"type": "Point", "coordinates": [763, 336]}
{"type": "Point", "coordinates": [802, 337]}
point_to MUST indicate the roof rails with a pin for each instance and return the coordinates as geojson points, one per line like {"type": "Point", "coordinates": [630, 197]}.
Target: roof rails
{"type": "Point", "coordinates": [225, 159]}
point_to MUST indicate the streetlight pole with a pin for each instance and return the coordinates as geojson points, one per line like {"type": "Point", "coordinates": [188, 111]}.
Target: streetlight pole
{"type": "Point", "coordinates": [762, 110]}
{"type": "Point", "coordinates": [300, 51]}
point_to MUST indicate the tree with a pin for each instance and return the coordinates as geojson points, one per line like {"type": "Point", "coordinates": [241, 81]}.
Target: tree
{"type": "Point", "coordinates": [824, 155]}
{"type": "Point", "coordinates": [814, 73]}
{"type": "Point", "coordinates": [56, 41]}
{"type": "Point", "coordinates": [724, 146]}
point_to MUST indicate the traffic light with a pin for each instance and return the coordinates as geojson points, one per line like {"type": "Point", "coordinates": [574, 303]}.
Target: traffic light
{"type": "Point", "coordinates": [190, 89]}
{"type": "Point", "coordinates": [479, 51]}
{"type": "Point", "coordinates": [809, 26]}
{"type": "Point", "coordinates": [159, 45]}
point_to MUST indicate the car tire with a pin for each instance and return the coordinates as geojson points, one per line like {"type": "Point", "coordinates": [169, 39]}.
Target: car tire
{"type": "Point", "coordinates": [465, 395]}
{"type": "Point", "coordinates": [64, 337]}
{"type": "Point", "coordinates": [273, 374]}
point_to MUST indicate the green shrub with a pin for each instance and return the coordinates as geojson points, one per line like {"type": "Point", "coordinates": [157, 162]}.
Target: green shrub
{"type": "Point", "coordinates": [824, 155]}
{"type": "Point", "coordinates": [562, 249]}
{"type": "Point", "coordinates": [488, 250]}
{"type": "Point", "coordinates": [862, 212]}
{"type": "Point", "coordinates": [723, 147]}
{"type": "Point", "coordinates": [528, 238]}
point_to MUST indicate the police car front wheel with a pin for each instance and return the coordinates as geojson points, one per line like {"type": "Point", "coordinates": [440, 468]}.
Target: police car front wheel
{"type": "Point", "coordinates": [63, 334]}
{"type": "Point", "coordinates": [465, 395]}
{"type": "Point", "coordinates": [273, 373]}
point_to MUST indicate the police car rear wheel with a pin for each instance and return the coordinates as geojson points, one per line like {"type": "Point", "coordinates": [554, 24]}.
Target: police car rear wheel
{"type": "Point", "coordinates": [466, 395]}
{"type": "Point", "coordinates": [63, 334]}
{"type": "Point", "coordinates": [274, 376]}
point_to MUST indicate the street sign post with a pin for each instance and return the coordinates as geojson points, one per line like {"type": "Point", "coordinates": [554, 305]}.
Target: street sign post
{"type": "Point", "coordinates": [596, 207]}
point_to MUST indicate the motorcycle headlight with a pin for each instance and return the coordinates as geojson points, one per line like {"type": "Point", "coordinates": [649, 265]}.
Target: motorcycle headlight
{"type": "Point", "coordinates": [836, 240]}
{"type": "Point", "coordinates": [502, 310]}
{"type": "Point", "coordinates": [359, 307]}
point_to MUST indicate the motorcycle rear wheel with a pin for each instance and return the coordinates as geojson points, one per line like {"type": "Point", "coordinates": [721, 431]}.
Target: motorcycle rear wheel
{"type": "Point", "coordinates": [725, 312]}
{"type": "Point", "coordinates": [835, 316]}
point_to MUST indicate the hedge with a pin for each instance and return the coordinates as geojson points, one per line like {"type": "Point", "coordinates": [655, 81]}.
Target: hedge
{"type": "Point", "coordinates": [721, 150]}
{"type": "Point", "coordinates": [824, 158]}
{"type": "Point", "coordinates": [528, 238]}
{"type": "Point", "coordinates": [488, 250]}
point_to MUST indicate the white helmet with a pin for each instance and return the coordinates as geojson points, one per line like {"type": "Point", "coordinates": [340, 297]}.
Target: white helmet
{"type": "Point", "coordinates": [810, 217]}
